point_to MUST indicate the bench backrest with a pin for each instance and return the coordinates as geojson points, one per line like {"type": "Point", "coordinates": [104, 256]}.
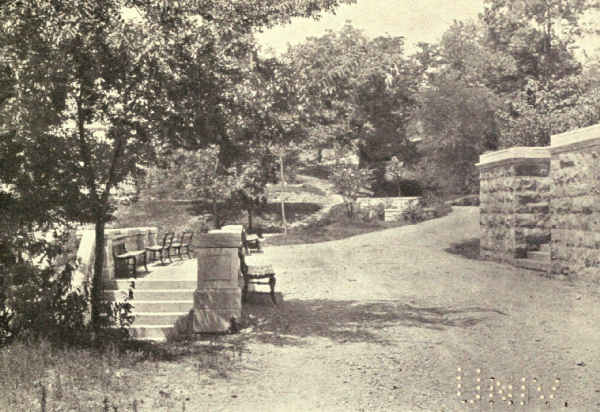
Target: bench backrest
{"type": "Point", "coordinates": [167, 239]}
{"type": "Point", "coordinates": [186, 238]}
{"type": "Point", "coordinates": [119, 246]}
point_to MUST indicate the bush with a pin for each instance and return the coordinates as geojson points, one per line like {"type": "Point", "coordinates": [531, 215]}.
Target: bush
{"type": "Point", "coordinates": [37, 302]}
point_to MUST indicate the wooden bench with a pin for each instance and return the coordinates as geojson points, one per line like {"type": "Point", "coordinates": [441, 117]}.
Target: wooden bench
{"type": "Point", "coordinates": [121, 254]}
{"type": "Point", "coordinates": [185, 242]}
{"type": "Point", "coordinates": [164, 246]}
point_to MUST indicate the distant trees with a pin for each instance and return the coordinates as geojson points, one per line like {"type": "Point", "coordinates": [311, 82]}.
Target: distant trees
{"type": "Point", "coordinates": [352, 89]}
{"type": "Point", "coordinates": [511, 78]}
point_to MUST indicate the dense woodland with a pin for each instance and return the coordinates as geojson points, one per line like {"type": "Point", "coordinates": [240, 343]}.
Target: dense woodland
{"type": "Point", "coordinates": [100, 95]}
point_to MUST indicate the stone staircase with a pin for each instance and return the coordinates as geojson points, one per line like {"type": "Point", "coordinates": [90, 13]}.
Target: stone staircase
{"type": "Point", "coordinates": [536, 260]}
{"type": "Point", "coordinates": [161, 307]}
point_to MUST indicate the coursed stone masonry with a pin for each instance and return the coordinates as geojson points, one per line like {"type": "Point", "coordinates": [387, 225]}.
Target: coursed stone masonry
{"type": "Point", "coordinates": [514, 202]}
{"type": "Point", "coordinates": [575, 204]}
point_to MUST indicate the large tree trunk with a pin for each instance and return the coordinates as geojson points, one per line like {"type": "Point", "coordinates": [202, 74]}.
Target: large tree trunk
{"type": "Point", "coordinates": [97, 284]}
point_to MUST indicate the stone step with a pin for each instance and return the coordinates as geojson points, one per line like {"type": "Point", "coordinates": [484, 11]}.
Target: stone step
{"type": "Point", "coordinates": [120, 284]}
{"type": "Point", "coordinates": [532, 264]}
{"type": "Point", "coordinates": [153, 294]}
{"type": "Point", "coordinates": [158, 318]}
{"type": "Point", "coordinates": [539, 255]}
{"type": "Point", "coordinates": [162, 305]}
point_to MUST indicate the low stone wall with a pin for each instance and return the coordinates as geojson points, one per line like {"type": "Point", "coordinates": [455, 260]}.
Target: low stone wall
{"type": "Point", "coordinates": [135, 238]}
{"type": "Point", "coordinates": [575, 204]}
{"type": "Point", "coordinates": [398, 203]}
{"type": "Point", "coordinates": [393, 215]}
{"type": "Point", "coordinates": [514, 202]}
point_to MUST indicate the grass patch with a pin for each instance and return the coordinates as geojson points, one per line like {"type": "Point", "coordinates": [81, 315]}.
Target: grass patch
{"type": "Point", "coordinates": [40, 376]}
{"type": "Point", "coordinates": [335, 225]}
{"type": "Point", "coordinates": [190, 215]}
{"type": "Point", "coordinates": [468, 249]}
{"type": "Point", "coordinates": [324, 233]}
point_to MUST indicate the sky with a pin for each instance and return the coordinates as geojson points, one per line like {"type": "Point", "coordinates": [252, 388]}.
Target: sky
{"type": "Point", "coordinates": [416, 20]}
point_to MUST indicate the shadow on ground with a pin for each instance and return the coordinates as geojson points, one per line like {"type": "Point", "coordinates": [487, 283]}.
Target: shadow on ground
{"type": "Point", "coordinates": [468, 249]}
{"type": "Point", "coordinates": [351, 321]}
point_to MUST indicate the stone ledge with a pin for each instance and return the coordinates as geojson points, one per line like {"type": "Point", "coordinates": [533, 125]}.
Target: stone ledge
{"type": "Point", "coordinates": [575, 139]}
{"type": "Point", "coordinates": [513, 154]}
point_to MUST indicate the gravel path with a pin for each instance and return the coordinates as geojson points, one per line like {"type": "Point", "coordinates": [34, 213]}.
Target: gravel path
{"type": "Point", "coordinates": [383, 321]}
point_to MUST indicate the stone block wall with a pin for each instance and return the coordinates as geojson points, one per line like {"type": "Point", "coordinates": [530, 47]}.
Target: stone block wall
{"type": "Point", "coordinates": [514, 202]}
{"type": "Point", "coordinates": [400, 203]}
{"type": "Point", "coordinates": [575, 204]}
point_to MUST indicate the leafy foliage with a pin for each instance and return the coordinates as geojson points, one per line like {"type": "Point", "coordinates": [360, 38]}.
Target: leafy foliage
{"type": "Point", "coordinates": [352, 89]}
{"type": "Point", "coordinates": [350, 181]}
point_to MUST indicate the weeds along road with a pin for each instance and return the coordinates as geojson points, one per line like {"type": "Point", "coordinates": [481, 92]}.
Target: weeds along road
{"type": "Point", "coordinates": [384, 321]}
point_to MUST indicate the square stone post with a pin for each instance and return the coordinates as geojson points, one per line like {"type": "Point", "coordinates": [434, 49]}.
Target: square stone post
{"type": "Point", "coordinates": [575, 205]}
{"type": "Point", "coordinates": [218, 297]}
{"type": "Point", "coordinates": [514, 195]}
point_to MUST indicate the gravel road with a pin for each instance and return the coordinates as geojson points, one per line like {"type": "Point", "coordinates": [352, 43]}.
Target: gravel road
{"type": "Point", "coordinates": [383, 322]}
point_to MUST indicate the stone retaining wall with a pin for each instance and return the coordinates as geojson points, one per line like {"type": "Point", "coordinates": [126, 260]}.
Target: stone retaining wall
{"type": "Point", "coordinates": [514, 202]}
{"type": "Point", "coordinates": [575, 204]}
{"type": "Point", "coordinates": [400, 203]}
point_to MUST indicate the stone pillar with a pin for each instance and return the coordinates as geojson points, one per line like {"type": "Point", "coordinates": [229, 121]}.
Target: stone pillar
{"type": "Point", "coordinates": [575, 205]}
{"type": "Point", "coordinates": [514, 202]}
{"type": "Point", "coordinates": [218, 297]}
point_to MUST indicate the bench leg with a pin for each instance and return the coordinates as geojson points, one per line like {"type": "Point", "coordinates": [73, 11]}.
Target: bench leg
{"type": "Point", "coordinates": [272, 286]}
{"type": "Point", "coordinates": [169, 255]}
{"type": "Point", "coordinates": [134, 267]}
{"type": "Point", "coordinates": [145, 262]}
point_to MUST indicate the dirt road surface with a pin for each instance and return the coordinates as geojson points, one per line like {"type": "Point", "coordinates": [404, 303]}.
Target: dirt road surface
{"type": "Point", "coordinates": [383, 322]}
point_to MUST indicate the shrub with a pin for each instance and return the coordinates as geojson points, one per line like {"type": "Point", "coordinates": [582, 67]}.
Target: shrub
{"type": "Point", "coordinates": [350, 180]}
{"type": "Point", "coordinates": [37, 302]}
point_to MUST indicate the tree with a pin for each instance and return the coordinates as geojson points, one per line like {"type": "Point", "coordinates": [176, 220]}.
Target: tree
{"type": "Point", "coordinates": [355, 89]}
{"type": "Point", "coordinates": [96, 95]}
{"type": "Point", "coordinates": [350, 181]}
{"type": "Point", "coordinates": [399, 173]}
{"type": "Point", "coordinates": [458, 105]}
{"type": "Point", "coordinates": [539, 37]}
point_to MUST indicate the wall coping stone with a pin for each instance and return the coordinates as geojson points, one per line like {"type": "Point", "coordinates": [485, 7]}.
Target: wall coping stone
{"type": "Point", "coordinates": [513, 153]}
{"type": "Point", "coordinates": [576, 139]}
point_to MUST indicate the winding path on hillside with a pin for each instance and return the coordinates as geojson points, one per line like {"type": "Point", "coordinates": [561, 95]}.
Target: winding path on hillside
{"type": "Point", "coordinates": [382, 322]}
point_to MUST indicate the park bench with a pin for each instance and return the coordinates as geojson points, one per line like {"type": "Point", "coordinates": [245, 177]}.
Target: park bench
{"type": "Point", "coordinates": [130, 258]}
{"type": "Point", "coordinates": [164, 246]}
{"type": "Point", "coordinates": [185, 242]}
